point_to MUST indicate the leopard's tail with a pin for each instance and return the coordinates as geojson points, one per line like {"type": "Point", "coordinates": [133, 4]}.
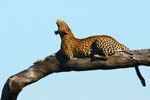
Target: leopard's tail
{"type": "Point", "coordinates": [124, 48]}
{"type": "Point", "coordinates": [140, 76]}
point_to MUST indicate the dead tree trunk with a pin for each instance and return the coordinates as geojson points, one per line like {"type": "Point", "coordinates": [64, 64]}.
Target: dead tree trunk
{"type": "Point", "coordinates": [50, 65]}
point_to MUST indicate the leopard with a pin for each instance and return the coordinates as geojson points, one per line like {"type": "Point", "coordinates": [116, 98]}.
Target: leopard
{"type": "Point", "coordinates": [102, 45]}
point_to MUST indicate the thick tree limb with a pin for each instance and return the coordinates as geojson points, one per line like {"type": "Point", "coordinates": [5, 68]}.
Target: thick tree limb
{"type": "Point", "coordinates": [50, 65]}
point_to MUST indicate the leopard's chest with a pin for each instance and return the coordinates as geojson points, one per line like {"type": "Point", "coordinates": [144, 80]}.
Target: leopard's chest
{"type": "Point", "coordinates": [76, 48]}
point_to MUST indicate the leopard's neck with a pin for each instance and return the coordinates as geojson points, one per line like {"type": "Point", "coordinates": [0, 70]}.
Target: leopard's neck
{"type": "Point", "coordinates": [68, 36]}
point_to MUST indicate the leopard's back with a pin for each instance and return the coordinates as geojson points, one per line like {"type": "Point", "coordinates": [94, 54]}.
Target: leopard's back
{"type": "Point", "coordinates": [83, 47]}
{"type": "Point", "coordinates": [106, 46]}
{"type": "Point", "coordinates": [102, 45]}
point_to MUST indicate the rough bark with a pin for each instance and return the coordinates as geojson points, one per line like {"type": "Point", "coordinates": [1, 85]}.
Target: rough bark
{"type": "Point", "coordinates": [54, 64]}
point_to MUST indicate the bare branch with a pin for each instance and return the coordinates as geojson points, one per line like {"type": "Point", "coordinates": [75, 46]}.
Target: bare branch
{"type": "Point", "coordinates": [51, 64]}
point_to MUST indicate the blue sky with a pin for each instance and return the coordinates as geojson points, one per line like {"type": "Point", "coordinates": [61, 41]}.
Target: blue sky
{"type": "Point", "coordinates": [27, 34]}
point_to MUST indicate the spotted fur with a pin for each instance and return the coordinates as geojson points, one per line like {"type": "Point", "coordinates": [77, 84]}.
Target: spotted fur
{"type": "Point", "coordinates": [102, 45]}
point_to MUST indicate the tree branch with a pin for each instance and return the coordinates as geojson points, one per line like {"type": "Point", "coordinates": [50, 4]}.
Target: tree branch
{"type": "Point", "coordinates": [51, 64]}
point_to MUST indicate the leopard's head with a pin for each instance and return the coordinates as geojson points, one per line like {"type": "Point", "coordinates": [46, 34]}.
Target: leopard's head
{"type": "Point", "coordinates": [63, 28]}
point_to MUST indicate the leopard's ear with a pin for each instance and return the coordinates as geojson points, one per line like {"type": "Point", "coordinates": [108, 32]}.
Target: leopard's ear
{"type": "Point", "coordinates": [66, 31]}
